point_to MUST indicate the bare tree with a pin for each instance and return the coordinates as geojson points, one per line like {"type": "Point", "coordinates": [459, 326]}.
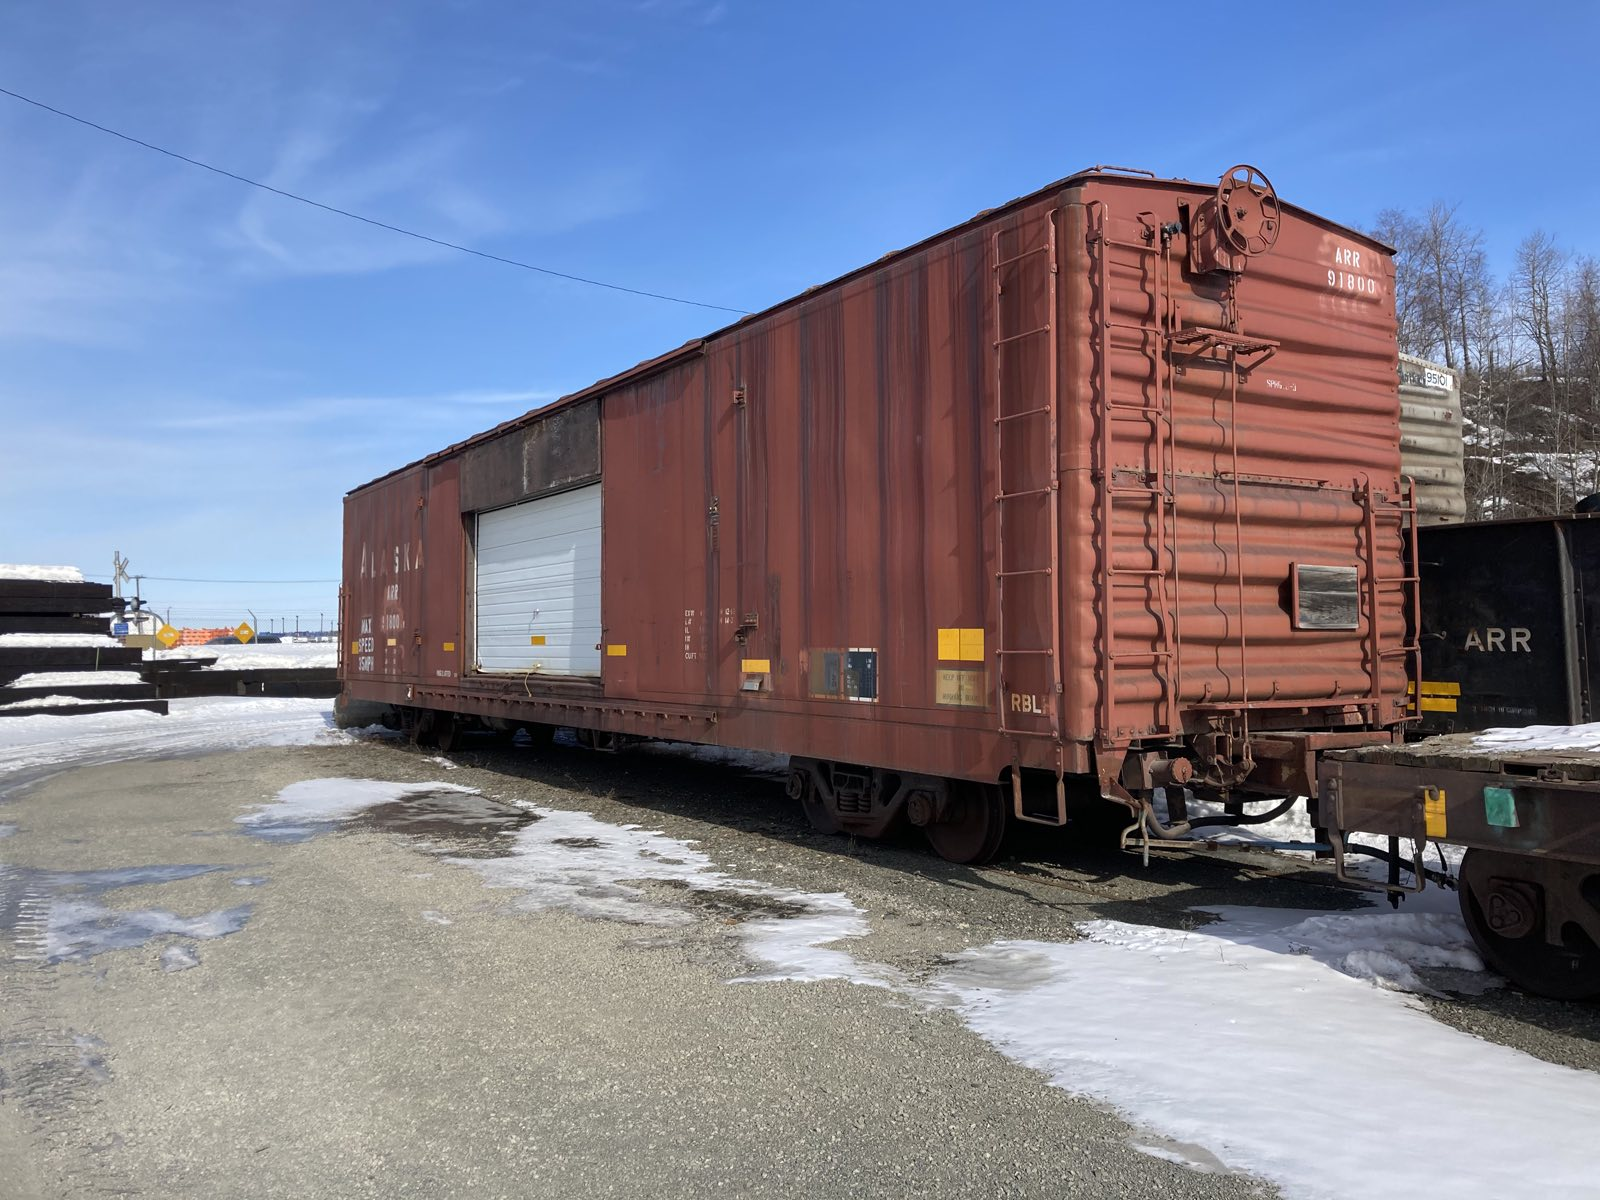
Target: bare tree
{"type": "Point", "coordinates": [1442, 286]}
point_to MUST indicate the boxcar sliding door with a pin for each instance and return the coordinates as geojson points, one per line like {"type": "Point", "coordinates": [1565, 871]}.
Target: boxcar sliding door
{"type": "Point", "coordinates": [537, 599]}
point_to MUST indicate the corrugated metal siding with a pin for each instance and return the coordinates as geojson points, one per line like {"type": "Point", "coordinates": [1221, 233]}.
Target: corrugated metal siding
{"type": "Point", "coordinates": [1307, 425]}
{"type": "Point", "coordinates": [820, 480]}
{"type": "Point", "coordinates": [1431, 446]}
{"type": "Point", "coordinates": [538, 586]}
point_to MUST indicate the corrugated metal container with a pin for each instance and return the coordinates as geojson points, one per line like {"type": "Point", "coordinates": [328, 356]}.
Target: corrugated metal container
{"type": "Point", "coordinates": [1111, 469]}
{"type": "Point", "coordinates": [1510, 623]}
{"type": "Point", "coordinates": [1431, 446]}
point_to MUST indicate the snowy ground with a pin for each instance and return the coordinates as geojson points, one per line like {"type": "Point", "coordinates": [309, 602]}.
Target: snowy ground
{"type": "Point", "coordinates": [32, 748]}
{"type": "Point", "coordinates": [1287, 1045]}
{"type": "Point", "coordinates": [239, 656]}
{"type": "Point", "coordinates": [1276, 1043]}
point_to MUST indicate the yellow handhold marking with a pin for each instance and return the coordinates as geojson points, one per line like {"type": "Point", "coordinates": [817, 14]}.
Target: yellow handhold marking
{"type": "Point", "coordinates": [1433, 812]}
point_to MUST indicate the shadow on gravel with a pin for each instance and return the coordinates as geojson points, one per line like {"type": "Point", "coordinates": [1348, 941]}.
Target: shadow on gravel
{"type": "Point", "coordinates": [1082, 863]}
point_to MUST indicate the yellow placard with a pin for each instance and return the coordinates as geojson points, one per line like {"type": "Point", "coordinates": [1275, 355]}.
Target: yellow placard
{"type": "Point", "coordinates": [536, 640]}
{"type": "Point", "coordinates": [390, 642]}
{"type": "Point", "coordinates": [960, 645]}
{"type": "Point", "coordinates": [449, 647]}
{"type": "Point", "coordinates": [756, 666]}
{"type": "Point", "coordinates": [355, 647]}
{"type": "Point", "coordinates": [1433, 815]}
{"type": "Point", "coordinates": [244, 633]}
{"type": "Point", "coordinates": [168, 636]}
{"type": "Point", "coordinates": [616, 652]}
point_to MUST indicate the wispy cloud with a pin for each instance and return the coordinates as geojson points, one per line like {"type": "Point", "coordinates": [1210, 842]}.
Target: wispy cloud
{"type": "Point", "coordinates": [447, 407]}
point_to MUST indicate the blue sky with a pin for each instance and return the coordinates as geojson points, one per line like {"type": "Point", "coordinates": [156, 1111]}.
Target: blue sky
{"type": "Point", "coordinates": [194, 372]}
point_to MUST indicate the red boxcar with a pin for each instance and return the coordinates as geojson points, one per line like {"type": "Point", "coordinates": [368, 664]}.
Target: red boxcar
{"type": "Point", "coordinates": [1101, 486]}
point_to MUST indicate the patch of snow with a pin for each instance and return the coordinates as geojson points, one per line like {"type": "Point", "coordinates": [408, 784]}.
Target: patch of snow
{"type": "Point", "coordinates": [178, 957]}
{"type": "Point", "coordinates": [32, 748]}
{"type": "Point", "coordinates": [314, 806]}
{"type": "Point", "coordinates": [435, 918]}
{"type": "Point", "coordinates": [40, 572]}
{"type": "Point", "coordinates": [794, 949]}
{"type": "Point", "coordinates": [1295, 826]}
{"type": "Point", "coordinates": [249, 881]}
{"type": "Point", "coordinates": [1541, 737]}
{"type": "Point", "coordinates": [78, 929]}
{"type": "Point", "coordinates": [7, 829]}
{"type": "Point", "coordinates": [756, 762]}
{"type": "Point", "coordinates": [440, 760]}
{"type": "Point", "coordinates": [58, 639]}
{"type": "Point", "coordinates": [1262, 1022]}
{"type": "Point", "coordinates": [117, 678]}
{"type": "Point", "coordinates": [572, 861]}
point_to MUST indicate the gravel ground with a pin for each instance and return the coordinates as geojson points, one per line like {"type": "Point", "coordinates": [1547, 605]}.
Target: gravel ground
{"type": "Point", "coordinates": [383, 1024]}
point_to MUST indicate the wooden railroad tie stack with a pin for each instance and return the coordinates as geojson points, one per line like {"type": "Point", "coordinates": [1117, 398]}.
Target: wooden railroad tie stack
{"type": "Point", "coordinates": [65, 611]}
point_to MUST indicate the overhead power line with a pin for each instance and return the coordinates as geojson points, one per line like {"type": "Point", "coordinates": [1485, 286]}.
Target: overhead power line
{"type": "Point", "coordinates": [185, 579]}
{"type": "Point", "coordinates": [354, 216]}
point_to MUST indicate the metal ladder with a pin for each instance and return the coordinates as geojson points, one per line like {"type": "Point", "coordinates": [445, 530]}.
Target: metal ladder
{"type": "Point", "coordinates": [1378, 508]}
{"type": "Point", "coordinates": [1019, 429]}
{"type": "Point", "coordinates": [1156, 584]}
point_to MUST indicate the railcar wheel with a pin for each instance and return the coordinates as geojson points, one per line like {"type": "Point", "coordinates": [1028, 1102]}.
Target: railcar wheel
{"type": "Point", "coordinates": [420, 725]}
{"type": "Point", "coordinates": [446, 731]}
{"type": "Point", "coordinates": [800, 787]}
{"type": "Point", "coordinates": [973, 825]}
{"type": "Point", "coordinates": [1506, 900]}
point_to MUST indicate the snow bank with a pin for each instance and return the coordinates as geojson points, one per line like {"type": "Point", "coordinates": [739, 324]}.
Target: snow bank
{"type": "Point", "coordinates": [240, 656]}
{"type": "Point", "coordinates": [39, 572]}
{"type": "Point", "coordinates": [1241, 1039]}
{"type": "Point", "coordinates": [32, 748]}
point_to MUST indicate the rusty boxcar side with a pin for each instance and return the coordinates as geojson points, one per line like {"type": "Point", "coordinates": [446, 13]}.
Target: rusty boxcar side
{"type": "Point", "coordinates": [1103, 483]}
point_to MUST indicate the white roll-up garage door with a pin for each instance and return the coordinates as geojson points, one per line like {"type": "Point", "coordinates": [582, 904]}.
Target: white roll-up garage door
{"type": "Point", "coordinates": [538, 585]}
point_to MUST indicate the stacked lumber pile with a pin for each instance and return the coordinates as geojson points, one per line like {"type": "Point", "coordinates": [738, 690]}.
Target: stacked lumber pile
{"type": "Point", "coordinates": [57, 657]}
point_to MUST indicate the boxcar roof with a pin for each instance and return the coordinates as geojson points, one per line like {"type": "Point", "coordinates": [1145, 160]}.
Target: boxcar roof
{"type": "Point", "coordinates": [660, 362]}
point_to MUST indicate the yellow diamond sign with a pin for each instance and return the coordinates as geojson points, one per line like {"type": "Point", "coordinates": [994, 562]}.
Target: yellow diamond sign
{"type": "Point", "coordinates": [168, 636]}
{"type": "Point", "coordinates": [244, 633]}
